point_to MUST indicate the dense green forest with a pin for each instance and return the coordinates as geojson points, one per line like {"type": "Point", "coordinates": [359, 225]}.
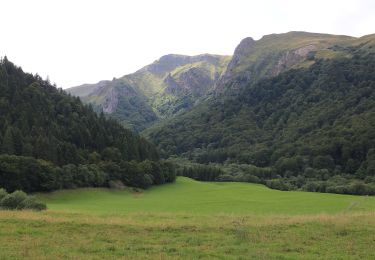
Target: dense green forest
{"type": "Point", "coordinates": [50, 140]}
{"type": "Point", "coordinates": [308, 128]}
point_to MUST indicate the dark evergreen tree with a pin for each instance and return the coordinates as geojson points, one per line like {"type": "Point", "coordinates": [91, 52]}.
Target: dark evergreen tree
{"type": "Point", "coordinates": [50, 140]}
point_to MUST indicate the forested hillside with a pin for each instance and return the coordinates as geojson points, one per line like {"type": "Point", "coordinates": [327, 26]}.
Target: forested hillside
{"type": "Point", "coordinates": [307, 126]}
{"type": "Point", "coordinates": [50, 140]}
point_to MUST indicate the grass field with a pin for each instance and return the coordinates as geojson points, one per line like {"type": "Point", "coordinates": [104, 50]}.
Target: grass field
{"type": "Point", "coordinates": [189, 196]}
{"type": "Point", "coordinates": [192, 220]}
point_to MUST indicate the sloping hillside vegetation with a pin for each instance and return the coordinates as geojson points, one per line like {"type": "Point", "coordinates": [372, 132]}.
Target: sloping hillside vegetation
{"type": "Point", "coordinates": [120, 100]}
{"type": "Point", "coordinates": [174, 84]}
{"type": "Point", "coordinates": [50, 140]}
{"type": "Point", "coordinates": [276, 53]}
{"type": "Point", "coordinates": [167, 87]}
{"type": "Point", "coordinates": [300, 129]}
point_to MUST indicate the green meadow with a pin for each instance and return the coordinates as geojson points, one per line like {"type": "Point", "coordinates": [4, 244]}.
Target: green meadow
{"type": "Point", "coordinates": [192, 220]}
{"type": "Point", "coordinates": [193, 197]}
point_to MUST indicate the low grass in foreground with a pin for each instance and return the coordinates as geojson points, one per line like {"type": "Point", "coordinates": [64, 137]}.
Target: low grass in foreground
{"type": "Point", "coordinates": [192, 220]}
{"type": "Point", "coordinates": [57, 235]}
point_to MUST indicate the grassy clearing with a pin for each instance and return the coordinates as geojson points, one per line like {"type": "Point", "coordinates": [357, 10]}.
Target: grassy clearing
{"type": "Point", "coordinates": [192, 220]}
{"type": "Point", "coordinates": [189, 196]}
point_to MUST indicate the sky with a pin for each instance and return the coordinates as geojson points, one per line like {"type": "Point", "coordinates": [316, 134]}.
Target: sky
{"type": "Point", "coordinates": [78, 41]}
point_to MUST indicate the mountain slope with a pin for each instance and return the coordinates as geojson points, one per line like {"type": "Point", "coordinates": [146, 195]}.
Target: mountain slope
{"type": "Point", "coordinates": [50, 140]}
{"type": "Point", "coordinates": [176, 83]}
{"type": "Point", "coordinates": [241, 65]}
{"type": "Point", "coordinates": [167, 87]}
{"type": "Point", "coordinates": [37, 113]}
{"type": "Point", "coordinates": [276, 53]}
{"type": "Point", "coordinates": [320, 117]}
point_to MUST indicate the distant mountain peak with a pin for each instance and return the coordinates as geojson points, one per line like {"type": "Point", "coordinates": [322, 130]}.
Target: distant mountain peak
{"type": "Point", "coordinates": [162, 89]}
{"type": "Point", "coordinates": [275, 53]}
{"type": "Point", "coordinates": [245, 46]}
{"type": "Point", "coordinates": [169, 62]}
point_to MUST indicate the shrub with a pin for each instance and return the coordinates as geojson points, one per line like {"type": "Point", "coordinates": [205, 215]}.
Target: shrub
{"type": "Point", "coordinates": [310, 186]}
{"type": "Point", "coordinates": [13, 200]}
{"type": "Point", "coordinates": [147, 181]}
{"type": "Point", "coordinates": [19, 200]}
{"type": "Point", "coordinates": [225, 177]}
{"type": "Point", "coordinates": [32, 203]}
{"type": "Point", "coordinates": [251, 178]}
{"type": "Point", "coordinates": [279, 184]}
{"type": "Point", "coordinates": [203, 172]}
{"type": "Point", "coordinates": [3, 193]}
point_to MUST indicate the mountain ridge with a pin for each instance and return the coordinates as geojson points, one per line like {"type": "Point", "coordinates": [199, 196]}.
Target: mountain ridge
{"type": "Point", "coordinates": [176, 83]}
{"type": "Point", "coordinates": [164, 88]}
{"type": "Point", "coordinates": [307, 128]}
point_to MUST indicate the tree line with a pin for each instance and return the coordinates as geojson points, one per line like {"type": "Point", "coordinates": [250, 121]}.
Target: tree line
{"type": "Point", "coordinates": [31, 175]}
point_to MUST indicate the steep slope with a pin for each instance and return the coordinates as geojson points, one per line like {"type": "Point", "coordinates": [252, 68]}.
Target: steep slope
{"type": "Point", "coordinates": [50, 140]}
{"type": "Point", "coordinates": [276, 53]}
{"type": "Point", "coordinates": [167, 87]}
{"type": "Point", "coordinates": [249, 55]}
{"type": "Point", "coordinates": [124, 102]}
{"type": "Point", "coordinates": [176, 83]}
{"type": "Point", "coordinates": [319, 117]}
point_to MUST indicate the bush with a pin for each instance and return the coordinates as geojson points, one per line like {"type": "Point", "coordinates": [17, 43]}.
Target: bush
{"type": "Point", "coordinates": [202, 172]}
{"type": "Point", "coordinates": [225, 178]}
{"type": "Point", "coordinates": [355, 188]}
{"type": "Point", "coordinates": [147, 181]}
{"type": "Point", "coordinates": [19, 200]}
{"type": "Point", "coordinates": [279, 184]}
{"type": "Point", "coordinates": [3, 193]}
{"type": "Point", "coordinates": [310, 186]}
{"type": "Point", "coordinates": [250, 178]}
{"type": "Point", "coordinates": [32, 203]}
{"type": "Point", "coordinates": [13, 200]}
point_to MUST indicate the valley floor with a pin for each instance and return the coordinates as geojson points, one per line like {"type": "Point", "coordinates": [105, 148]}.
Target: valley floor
{"type": "Point", "coordinates": [190, 196]}
{"type": "Point", "coordinates": [192, 220]}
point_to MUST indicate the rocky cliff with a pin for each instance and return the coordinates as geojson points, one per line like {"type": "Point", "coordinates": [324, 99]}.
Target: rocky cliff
{"type": "Point", "coordinates": [273, 54]}
{"type": "Point", "coordinates": [163, 89]}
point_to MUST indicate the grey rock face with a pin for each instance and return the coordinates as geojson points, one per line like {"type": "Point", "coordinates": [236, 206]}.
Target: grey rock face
{"type": "Point", "coordinates": [268, 63]}
{"type": "Point", "coordinates": [160, 90]}
{"type": "Point", "coordinates": [291, 58]}
{"type": "Point", "coordinates": [111, 102]}
{"type": "Point", "coordinates": [194, 81]}
{"type": "Point", "coordinates": [112, 96]}
{"type": "Point", "coordinates": [244, 48]}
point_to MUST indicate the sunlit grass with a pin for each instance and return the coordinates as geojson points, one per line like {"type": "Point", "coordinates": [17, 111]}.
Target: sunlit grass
{"type": "Point", "coordinates": [192, 220]}
{"type": "Point", "coordinates": [189, 196]}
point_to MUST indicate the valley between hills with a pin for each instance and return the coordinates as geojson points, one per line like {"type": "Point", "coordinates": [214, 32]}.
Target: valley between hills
{"type": "Point", "coordinates": [292, 111]}
{"type": "Point", "coordinates": [265, 154]}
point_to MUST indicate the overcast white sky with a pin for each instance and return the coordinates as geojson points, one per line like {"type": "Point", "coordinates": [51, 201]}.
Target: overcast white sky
{"type": "Point", "coordinates": [77, 41]}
